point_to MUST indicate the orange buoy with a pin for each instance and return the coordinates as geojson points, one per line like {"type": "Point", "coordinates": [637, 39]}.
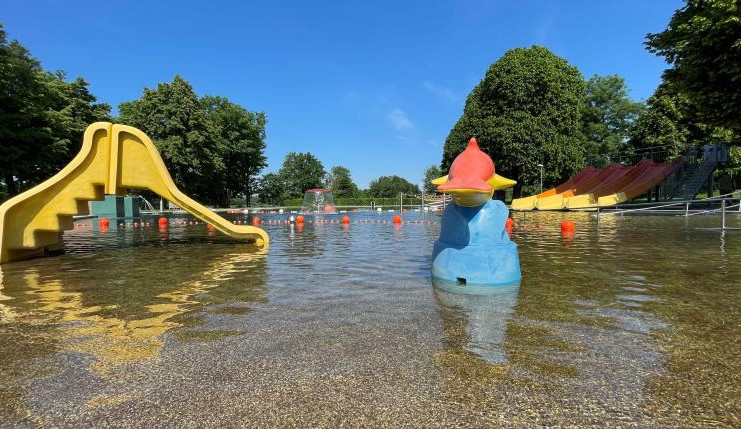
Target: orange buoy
{"type": "Point", "coordinates": [397, 219]}
{"type": "Point", "coordinates": [103, 223]}
{"type": "Point", "coordinates": [345, 220]}
{"type": "Point", "coordinates": [162, 221]}
{"type": "Point", "coordinates": [209, 227]}
{"type": "Point", "coordinates": [509, 223]}
{"type": "Point", "coordinates": [299, 219]}
{"type": "Point", "coordinates": [255, 221]}
{"type": "Point", "coordinates": [567, 226]}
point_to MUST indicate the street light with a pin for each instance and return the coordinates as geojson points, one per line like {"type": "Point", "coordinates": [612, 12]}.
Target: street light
{"type": "Point", "coordinates": [541, 177]}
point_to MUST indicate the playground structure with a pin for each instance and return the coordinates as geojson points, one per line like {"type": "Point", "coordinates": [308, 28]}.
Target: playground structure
{"type": "Point", "coordinates": [601, 187]}
{"type": "Point", "coordinates": [651, 172]}
{"type": "Point", "coordinates": [113, 159]}
{"type": "Point", "coordinates": [474, 249]}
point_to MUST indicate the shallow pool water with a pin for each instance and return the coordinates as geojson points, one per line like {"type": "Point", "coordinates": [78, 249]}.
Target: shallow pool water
{"type": "Point", "coordinates": [633, 321]}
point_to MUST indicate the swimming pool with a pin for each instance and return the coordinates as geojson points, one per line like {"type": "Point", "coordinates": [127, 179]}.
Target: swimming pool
{"type": "Point", "coordinates": [632, 322]}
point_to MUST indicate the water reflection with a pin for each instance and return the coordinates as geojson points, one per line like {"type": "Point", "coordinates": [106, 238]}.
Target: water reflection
{"type": "Point", "coordinates": [122, 322]}
{"type": "Point", "coordinates": [483, 314]}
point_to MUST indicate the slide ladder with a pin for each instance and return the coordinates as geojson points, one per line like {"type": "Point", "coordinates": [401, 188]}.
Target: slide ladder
{"type": "Point", "coordinates": [693, 180]}
{"type": "Point", "coordinates": [114, 158]}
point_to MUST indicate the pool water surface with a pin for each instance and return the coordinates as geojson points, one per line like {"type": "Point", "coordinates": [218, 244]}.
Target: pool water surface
{"type": "Point", "coordinates": [632, 322]}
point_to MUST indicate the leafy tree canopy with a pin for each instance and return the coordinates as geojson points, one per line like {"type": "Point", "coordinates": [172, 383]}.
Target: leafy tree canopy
{"type": "Point", "coordinates": [607, 114]}
{"type": "Point", "coordinates": [42, 117]}
{"type": "Point", "coordinates": [172, 116]}
{"type": "Point", "coordinates": [671, 121]}
{"type": "Point", "coordinates": [340, 182]}
{"type": "Point", "coordinates": [431, 172]}
{"type": "Point", "coordinates": [242, 135]}
{"type": "Point", "coordinates": [270, 189]}
{"type": "Point", "coordinates": [526, 111]}
{"type": "Point", "coordinates": [213, 148]}
{"type": "Point", "coordinates": [391, 186]}
{"type": "Point", "coordinates": [301, 171]}
{"type": "Point", "coordinates": [703, 44]}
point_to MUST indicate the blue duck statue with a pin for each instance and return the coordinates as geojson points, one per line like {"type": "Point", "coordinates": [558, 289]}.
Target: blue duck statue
{"type": "Point", "coordinates": [474, 249]}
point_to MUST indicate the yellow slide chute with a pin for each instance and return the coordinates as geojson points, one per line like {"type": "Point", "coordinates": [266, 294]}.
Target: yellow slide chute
{"type": "Point", "coordinates": [114, 158]}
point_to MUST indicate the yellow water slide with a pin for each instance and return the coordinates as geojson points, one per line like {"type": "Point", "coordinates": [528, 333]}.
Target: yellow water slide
{"type": "Point", "coordinates": [114, 158]}
{"type": "Point", "coordinates": [603, 187]}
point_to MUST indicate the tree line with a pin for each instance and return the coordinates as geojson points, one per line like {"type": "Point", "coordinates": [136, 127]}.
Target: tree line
{"type": "Point", "coordinates": [303, 171]}
{"type": "Point", "coordinates": [213, 148]}
{"type": "Point", "coordinates": [532, 107]}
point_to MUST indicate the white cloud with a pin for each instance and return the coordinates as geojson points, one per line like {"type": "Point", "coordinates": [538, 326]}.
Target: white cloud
{"type": "Point", "coordinates": [399, 119]}
{"type": "Point", "coordinates": [440, 91]}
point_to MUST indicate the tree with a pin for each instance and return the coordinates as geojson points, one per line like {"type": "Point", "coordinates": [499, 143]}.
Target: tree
{"type": "Point", "coordinates": [340, 182]}
{"type": "Point", "coordinates": [183, 133]}
{"type": "Point", "coordinates": [77, 109]}
{"type": "Point", "coordinates": [607, 114]}
{"type": "Point", "coordinates": [242, 136]}
{"type": "Point", "coordinates": [525, 111]}
{"type": "Point", "coordinates": [42, 117]}
{"type": "Point", "coordinates": [299, 172]}
{"type": "Point", "coordinates": [391, 186]}
{"type": "Point", "coordinates": [431, 172]}
{"type": "Point", "coordinates": [671, 121]}
{"type": "Point", "coordinates": [703, 44]}
{"type": "Point", "coordinates": [270, 189]}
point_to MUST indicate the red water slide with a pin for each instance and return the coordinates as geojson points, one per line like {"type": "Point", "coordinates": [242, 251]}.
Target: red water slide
{"type": "Point", "coordinates": [650, 178]}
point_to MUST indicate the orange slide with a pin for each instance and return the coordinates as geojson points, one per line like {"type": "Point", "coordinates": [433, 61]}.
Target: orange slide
{"type": "Point", "coordinates": [650, 177]}
{"type": "Point", "coordinates": [529, 203]}
{"type": "Point", "coordinates": [586, 186]}
{"type": "Point", "coordinates": [594, 187]}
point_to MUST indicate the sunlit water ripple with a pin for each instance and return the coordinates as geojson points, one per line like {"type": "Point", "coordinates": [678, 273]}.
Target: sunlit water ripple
{"type": "Point", "coordinates": [631, 322]}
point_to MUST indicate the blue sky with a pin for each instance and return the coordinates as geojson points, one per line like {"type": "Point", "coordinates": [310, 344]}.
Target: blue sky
{"type": "Point", "coordinates": [371, 85]}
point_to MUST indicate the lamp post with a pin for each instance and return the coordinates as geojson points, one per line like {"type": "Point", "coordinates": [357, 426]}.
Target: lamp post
{"type": "Point", "coordinates": [541, 177]}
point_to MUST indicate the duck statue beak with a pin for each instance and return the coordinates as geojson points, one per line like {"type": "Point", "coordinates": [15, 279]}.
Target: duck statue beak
{"type": "Point", "coordinates": [472, 194]}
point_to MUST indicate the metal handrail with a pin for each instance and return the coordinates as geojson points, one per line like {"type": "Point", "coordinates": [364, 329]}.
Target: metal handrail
{"type": "Point", "coordinates": [677, 203]}
{"type": "Point", "coordinates": [715, 210]}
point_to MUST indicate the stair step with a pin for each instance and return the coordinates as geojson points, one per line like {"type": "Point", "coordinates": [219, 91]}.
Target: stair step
{"type": "Point", "coordinates": [61, 220]}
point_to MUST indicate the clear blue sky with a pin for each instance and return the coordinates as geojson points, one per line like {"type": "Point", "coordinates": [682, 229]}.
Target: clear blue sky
{"type": "Point", "coordinates": [371, 85]}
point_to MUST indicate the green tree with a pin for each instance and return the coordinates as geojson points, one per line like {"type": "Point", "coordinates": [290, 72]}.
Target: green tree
{"type": "Point", "coordinates": [75, 109]}
{"type": "Point", "coordinates": [242, 136]}
{"type": "Point", "coordinates": [432, 172]}
{"type": "Point", "coordinates": [172, 116]}
{"type": "Point", "coordinates": [703, 44]}
{"type": "Point", "coordinates": [391, 186]}
{"type": "Point", "coordinates": [608, 113]}
{"type": "Point", "coordinates": [671, 121]}
{"type": "Point", "coordinates": [271, 189]}
{"type": "Point", "coordinates": [340, 182]}
{"type": "Point", "coordinates": [526, 111]}
{"type": "Point", "coordinates": [301, 171]}
{"type": "Point", "coordinates": [42, 117]}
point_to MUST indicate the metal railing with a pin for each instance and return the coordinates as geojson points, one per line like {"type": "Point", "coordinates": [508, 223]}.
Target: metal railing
{"type": "Point", "coordinates": [723, 199]}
